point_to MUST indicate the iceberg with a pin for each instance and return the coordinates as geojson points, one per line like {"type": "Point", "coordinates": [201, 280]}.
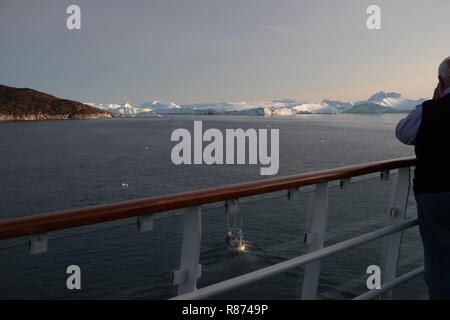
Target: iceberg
{"type": "Point", "coordinates": [381, 102]}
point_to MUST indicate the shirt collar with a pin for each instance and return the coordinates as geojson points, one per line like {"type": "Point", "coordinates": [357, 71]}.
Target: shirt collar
{"type": "Point", "coordinates": [446, 92]}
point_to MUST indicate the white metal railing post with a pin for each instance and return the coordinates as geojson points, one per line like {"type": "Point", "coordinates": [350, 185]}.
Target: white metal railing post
{"type": "Point", "coordinates": [397, 215]}
{"type": "Point", "coordinates": [315, 240]}
{"type": "Point", "coordinates": [190, 269]}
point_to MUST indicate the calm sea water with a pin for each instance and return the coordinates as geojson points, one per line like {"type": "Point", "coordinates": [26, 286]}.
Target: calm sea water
{"type": "Point", "coordinates": [56, 165]}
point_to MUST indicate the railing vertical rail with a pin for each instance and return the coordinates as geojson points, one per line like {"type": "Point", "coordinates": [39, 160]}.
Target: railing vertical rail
{"type": "Point", "coordinates": [315, 240]}
{"type": "Point", "coordinates": [397, 215]}
{"type": "Point", "coordinates": [190, 270]}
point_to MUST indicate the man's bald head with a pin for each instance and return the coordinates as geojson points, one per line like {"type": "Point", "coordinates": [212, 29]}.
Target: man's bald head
{"type": "Point", "coordinates": [444, 69]}
{"type": "Point", "coordinates": [444, 79]}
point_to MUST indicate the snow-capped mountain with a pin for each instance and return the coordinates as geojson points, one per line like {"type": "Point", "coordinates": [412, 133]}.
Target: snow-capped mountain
{"type": "Point", "coordinates": [380, 102]}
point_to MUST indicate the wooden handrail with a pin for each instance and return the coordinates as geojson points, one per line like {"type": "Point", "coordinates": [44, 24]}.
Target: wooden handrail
{"type": "Point", "coordinates": [42, 223]}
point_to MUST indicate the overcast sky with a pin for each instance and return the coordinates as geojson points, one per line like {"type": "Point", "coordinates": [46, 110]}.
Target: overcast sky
{"type": "Point", "coordinates": [190, 51]}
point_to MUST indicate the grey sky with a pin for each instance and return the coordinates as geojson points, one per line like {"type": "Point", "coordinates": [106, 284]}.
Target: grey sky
{"type": "Point", "coordinates": [191, 51]}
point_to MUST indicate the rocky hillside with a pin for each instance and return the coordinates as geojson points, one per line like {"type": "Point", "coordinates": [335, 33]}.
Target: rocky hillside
{"type": "Point", "coordinates": [29, 104]}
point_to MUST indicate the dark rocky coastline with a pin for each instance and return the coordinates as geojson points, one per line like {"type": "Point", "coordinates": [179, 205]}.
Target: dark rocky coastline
{"type": "Point", "coordinates": [28, 104]}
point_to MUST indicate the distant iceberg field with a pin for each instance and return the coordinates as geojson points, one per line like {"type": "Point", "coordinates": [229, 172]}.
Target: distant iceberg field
{"type": "Point", "coordinates": [381, 102]}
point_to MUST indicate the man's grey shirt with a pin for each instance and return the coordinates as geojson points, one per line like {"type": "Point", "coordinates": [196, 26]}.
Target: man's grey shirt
{"type": "Point", "coordinates": [407, 129]}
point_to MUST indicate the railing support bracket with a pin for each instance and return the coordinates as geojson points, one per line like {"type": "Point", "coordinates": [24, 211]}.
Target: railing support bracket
{"type": "Point", "coordinates": [394, 213]}
{"type": "Point", "coordinates": [384, 175]}
{"type": "Point", "coordinates": [232, 205]}
{"type": "Point", "coordinates": [145, 223]}
{"type": "Point", "coordinates": [38, 243]}
{"type": "Point", "coordinates": [344, 183]}
{"type": "Point", "coordinates": [310, 237]}
{"type": "Point", "coordinates": [293, 194]}
{"type": "Point", "coordinates": [181, 276]}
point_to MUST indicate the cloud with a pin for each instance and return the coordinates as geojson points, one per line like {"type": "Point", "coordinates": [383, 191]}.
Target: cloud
{"type": "Point", "coordinates": [275, 28]}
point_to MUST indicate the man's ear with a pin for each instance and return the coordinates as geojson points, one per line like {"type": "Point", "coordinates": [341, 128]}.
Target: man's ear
{"type": "Point", "coordinates": [444, 84]}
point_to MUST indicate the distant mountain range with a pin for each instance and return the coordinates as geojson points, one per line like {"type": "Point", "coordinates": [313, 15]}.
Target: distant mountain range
{"type": "Point", "coordinates": [29, 104]}
{"type": "Point", "coordinates": [381, 102]}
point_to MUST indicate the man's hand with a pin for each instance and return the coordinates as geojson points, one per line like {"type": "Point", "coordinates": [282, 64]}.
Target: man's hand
{"type": "Point", "coordinates": [437, 92]}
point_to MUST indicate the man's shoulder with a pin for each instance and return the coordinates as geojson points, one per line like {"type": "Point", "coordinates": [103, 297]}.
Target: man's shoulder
{"type": "Point", "coordinates": [444, 101]}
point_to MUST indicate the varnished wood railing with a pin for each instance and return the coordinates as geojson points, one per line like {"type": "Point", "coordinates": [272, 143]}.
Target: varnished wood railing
{"type": "Point", "coordinates": [43, 223]}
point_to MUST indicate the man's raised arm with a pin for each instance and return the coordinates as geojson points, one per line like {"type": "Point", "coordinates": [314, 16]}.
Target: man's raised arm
{"type": "Point", "coordinates": [407, 128]}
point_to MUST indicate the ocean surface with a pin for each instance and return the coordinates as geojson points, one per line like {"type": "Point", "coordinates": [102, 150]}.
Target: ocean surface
{"type": "Point", "coordinates": [56, 165]}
